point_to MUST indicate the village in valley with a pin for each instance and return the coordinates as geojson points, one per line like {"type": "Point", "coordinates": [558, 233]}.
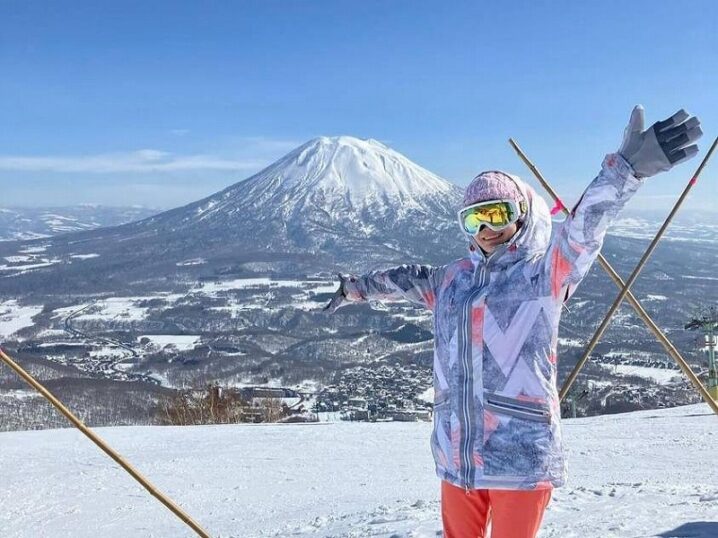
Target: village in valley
{"type": "Point", "coordinates": [364, 393]}
{"type": "Point", "coordinates": [384, 393]}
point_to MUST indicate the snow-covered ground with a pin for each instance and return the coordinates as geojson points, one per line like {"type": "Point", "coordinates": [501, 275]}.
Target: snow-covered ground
{"type": "Point", "coordinates": [647, 474]}
{"type": "Point", "coordinates": [212, 288]}
{"type": "Point", "coordinates": [14, 317]}
{"type": "Point", "coordinates": [179, 342]}
{"type": "Point", "coordinates": [124, 309]}
{"type": "Point", "coordinates": [659, 375]}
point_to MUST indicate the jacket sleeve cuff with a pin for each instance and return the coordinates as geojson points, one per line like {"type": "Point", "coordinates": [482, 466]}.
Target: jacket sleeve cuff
{"type": "Point", "coordinates": [619, 167]}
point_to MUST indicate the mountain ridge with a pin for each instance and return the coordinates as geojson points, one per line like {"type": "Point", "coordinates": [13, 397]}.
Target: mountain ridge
{"type": "Point", "coordinates": [332, 202]}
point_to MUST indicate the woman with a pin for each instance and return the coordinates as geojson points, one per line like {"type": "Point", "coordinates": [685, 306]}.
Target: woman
{"type": "Point", "coordinates": [497, 434]}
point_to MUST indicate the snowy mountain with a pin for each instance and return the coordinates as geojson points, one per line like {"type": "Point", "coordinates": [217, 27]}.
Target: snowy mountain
{"type": "Point", "coordinates": [337, 177]}
{"type": "Point", "coordinates": [330, 203]}
{"type": "Point", "coordinates": [336, 196]}
{"type": "Point", "coordinates": [24, 223]}
{"type": "Point", "coordinates": [646, 474]}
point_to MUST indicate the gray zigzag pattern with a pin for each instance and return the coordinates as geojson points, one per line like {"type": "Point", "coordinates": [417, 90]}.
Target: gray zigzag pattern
{"type": "Point", "coordinates": [532, 352]}
{"type": "Point", "coordinates": [493, 378]}
{"type": "Point", "coordinates": [534, 348]}
{"type": "Point", "coordinates": [507, 295]}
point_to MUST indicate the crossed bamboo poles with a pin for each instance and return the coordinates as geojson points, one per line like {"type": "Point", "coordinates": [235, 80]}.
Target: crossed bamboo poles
{"type": "Point", "coordinates": [176, 510]}
{"type": "Point", "coordinates": [626, 286]}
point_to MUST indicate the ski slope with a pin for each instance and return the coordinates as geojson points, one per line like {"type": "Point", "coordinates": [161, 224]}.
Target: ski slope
{"type": "Point", "coordinates": [643, 474]}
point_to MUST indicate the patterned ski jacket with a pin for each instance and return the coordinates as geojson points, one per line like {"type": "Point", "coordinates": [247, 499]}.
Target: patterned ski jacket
{"type": "Point", "coordinates": [496, 318]}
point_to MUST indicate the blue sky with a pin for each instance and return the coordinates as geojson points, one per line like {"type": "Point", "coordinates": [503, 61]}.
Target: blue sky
{"type": "Point", "coordinates": [162, 103]}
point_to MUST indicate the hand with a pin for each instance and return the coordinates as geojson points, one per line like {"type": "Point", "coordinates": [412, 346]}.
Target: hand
{"type": "Point", "coordinates": [339, 299]}
{"type": "Point", "coordinates": [663, 145]}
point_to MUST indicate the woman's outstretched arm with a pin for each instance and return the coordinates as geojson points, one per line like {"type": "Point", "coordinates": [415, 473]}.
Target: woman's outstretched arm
{"type": "Point", "coordinates": [414, 283]}
{"type": "Point", "coordinates": [576, 244]}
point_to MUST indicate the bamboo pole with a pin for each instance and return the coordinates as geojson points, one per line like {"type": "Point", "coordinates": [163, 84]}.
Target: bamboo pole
{"type": "Point", "coordinates": [662, 338]}
{"type": "Point", "coordinates": [104, 446]}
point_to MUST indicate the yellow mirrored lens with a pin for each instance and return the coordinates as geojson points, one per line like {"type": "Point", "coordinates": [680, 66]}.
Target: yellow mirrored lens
{"type": "Point", "coordinates": [497, 214]}
{"type": "Point", "coordinates": [472, 222]}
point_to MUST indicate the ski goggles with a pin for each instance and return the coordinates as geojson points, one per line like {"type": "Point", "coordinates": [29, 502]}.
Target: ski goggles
{"type": "Point", "coordinates": [495, 214]}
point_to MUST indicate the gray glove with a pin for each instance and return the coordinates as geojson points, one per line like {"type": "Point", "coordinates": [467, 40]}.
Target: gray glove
{"type": "Point", "coordinates": [663, 145]}
{"type": "Point", "coordinates": [339, 299]}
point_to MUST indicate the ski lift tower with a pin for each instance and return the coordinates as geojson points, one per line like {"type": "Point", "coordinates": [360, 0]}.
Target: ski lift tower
{"type": "Point", "coordinates": [707, 321]}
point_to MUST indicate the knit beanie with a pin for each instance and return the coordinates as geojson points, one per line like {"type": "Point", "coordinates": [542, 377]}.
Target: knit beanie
{"type": "Point", "coordinates": [492, 185]}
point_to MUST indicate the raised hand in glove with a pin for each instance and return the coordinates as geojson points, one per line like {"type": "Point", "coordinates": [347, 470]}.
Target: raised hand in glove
{"type": "Point", "coordinates": [665, 144]}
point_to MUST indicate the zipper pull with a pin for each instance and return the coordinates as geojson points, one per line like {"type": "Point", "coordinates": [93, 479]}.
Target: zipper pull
{"type": "Point", "coordinates": [467, 489]}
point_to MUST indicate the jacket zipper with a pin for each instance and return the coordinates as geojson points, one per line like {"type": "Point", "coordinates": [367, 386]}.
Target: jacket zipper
{"type": "Point", "coordinates": [468, 379]}
{"type": "Point", "coordinates": [518, 409]}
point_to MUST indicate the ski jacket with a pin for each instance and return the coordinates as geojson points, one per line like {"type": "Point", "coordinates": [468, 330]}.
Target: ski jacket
{"type": "Point", "coordinates": [496, 318]}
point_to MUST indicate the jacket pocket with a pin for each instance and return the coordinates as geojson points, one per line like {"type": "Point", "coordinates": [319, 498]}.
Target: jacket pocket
{"type": "Point", "coordinates": [518, 437]}
{"type": "Point", "coordinates": [517, 408]}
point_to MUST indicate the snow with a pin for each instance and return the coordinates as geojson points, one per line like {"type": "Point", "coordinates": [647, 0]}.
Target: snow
{"type": "Point", "coordinates": [34, 250]}
{"type": "Point", "coordinates": [75, 343]}
{"type": "Point", "coordinates": [50, 333]}
{"type": "Point", "coordinates": [308, 385]}
{"type": "Point", "coordinates": [122, 308]}
{"type": "Point", "coordinates": [20, 394]}
{"type": "Point", "coordinates": [571, 342]}
{"type": "Point", "coordinates": [67, 310]}
{"type": "Point", "coordinates": [427, 395]}
{"type": "Point", "coordinates": [300, 301]}
{"type": "Point", "coordinates": [182, 342]}
{"type": "Point", "coordinates": [695, 231]}
{"type": "Point", "coordinates": [84, 256]}
{"type": "Point", "coordinates": [24, 236]}
{"type": "Point", "coordinates": [59, 219]}
{"type": "Point", "coordinates": [226, 285]}
{"type": "Point", "coordinates": [109, 352]}
{"type": "Point", "coordinates": [645, 474]}
{"type": "Point", "coordinates": [30, 259]}
{"type": "Point", "coordinates": [594, 384]}
{"type": "Point", "coordinates": [14, 317]}
{"type": "Point", "coordinates": [160, 378]}
{"type": "Point", "coordinates": [365, 170]}
{"type": "Point", "coordinates": [317, 286]}
{"type": "Point", "coordinates": [18, 259]}
{"type": "Point", "coordinates": [339, 178]}
{"type": "Point", "coordinates": [193, 261]}
{"type": "Point", "coordinates": [306, 306]}
{"type": "Point", "coordinates": [691, 277]}
{"type": "Point", "coordinates": [29, 267]}
{"type": "Point", "coordinates": [659, 375]}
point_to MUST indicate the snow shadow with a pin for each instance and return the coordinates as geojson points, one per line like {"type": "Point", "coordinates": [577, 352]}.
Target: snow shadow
{"type": "Point", "coordinates": [696, 529]}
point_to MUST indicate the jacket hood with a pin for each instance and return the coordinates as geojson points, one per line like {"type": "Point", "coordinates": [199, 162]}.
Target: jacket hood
{"type": "Point", "coordinates": [530, 241]}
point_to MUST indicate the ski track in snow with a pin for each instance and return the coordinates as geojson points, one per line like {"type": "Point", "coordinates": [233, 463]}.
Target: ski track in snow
{"type": "Point", "coordinates": [644, 474]}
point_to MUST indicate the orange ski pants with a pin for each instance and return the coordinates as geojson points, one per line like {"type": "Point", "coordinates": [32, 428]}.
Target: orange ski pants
{"type": "Point", "coordinates": [511, 513]}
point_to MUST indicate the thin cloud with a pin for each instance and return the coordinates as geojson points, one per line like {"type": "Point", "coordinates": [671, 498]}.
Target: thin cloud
{"type": "Point", "coordinates": [140, 161]}
{"type": "Point", "coordinates": [262, 144]}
